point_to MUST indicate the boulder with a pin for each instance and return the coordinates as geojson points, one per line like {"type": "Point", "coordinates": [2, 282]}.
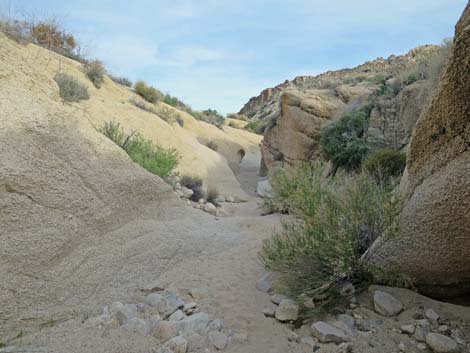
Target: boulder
{"type": "Point", "coordinates": [434, 246]}
{"type": "Point", "coordinates": [386, 304]}
{"type": "Point", "coordinates": [264, 188]}
{"type": "Point", "coordinates": [210, 208]}
{"type": "Point", "coordinates": [186, 193]}
{"type": "Point", "coordinates": [327, 333]}
{"type": "Point", "coordinates": [196, 323]}
{"type": "Point", "coordinates": [288, 310]}
{"type": "Point", "coordinates": [441, 344]}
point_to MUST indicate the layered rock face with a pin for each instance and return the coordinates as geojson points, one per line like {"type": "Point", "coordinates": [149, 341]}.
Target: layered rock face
{"type": "Point", "coordinates": [434, 248]}
{"type": "Point", "coordinates": [296, 111]}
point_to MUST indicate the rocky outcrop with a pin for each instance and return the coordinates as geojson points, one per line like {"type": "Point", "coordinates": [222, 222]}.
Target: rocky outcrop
{"type": "Point", "coordinates": [434, 248]}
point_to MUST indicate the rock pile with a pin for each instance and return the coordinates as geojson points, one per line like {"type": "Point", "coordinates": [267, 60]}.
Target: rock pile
{"type": "Point", "coordinates": [177, 326]}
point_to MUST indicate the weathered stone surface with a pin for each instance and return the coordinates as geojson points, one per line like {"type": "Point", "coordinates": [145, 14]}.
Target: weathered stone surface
{"type": "Point", "coordinates": [434, 247]}
{"type": "Point", "coordinates": [441, 344]}
{"type": "Point", "coordinates": [328, 333]}
{"type": "Point", "coordinates": [288, 310]}
{"type": "Point", "coordinates": [177, 344]}
{"type": "Point", "coordinates": [218, 339]}
{"type": "Point", "coordinates": [386, 305]}
{"type": "Point", "coordinates": [169, 303]}
{"type": "Point", "coordinates": [164, 330]}
{"type": "Point", "coordinates": [196, 323]}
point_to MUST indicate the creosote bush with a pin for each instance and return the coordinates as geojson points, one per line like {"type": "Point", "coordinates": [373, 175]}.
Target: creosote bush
{"type": "Point", "coordinates": [385, 164]}
{"type": "Point", "coordinates": [70, 89]}
{"type": "Point", "coordinates": [95, 71]}
{"type": "Point", "coordinates": [154, 158]}
{"type": "Point", "coordinates": [330, 241]}
{"type": "Point", "coordinates": [194, 183]}
{"type": "Point", "coordinates": [149, 93]}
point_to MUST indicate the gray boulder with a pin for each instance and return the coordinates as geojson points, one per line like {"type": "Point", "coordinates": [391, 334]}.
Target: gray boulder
{"type": "Point", "coordinates": [327, 333]}
{"type": "Point", "coordinates": [386, 305]}
{"type": "Point", "coordinates": [441, 344]}
{"type": "Point", "coordinates": [288, 310]}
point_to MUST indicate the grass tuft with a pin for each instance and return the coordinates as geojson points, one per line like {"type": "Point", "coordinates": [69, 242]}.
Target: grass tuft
{"type": "Point", "coordinates": [70, 89]}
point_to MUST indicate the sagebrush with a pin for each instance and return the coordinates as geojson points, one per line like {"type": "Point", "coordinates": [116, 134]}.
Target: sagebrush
{"type": "Point", "coordinates": [95, 71]}
{"type": "Point", "coordinates": [329, 243]}
{"type": "Point", "coordinates": [149, 93]}
{"type": "Point", "coordinates": [70, 89]}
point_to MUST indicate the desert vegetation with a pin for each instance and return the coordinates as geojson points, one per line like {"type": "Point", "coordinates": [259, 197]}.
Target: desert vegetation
{"type": "Point", "coordinates": [70, 89]}
{"type": "Point", "coordinates": [195, 184]}
{"type": "Point", "coordinates": [212, 145]}
{"type": "Point", "coordinates": [121, 80]}
{"type": "Point", "coordinates": [328, 245]}
{"type": "Point", "coordinates": [147, 92]}
{"type": "Point", "coordinates": [385, 164]}
{"type": "Point", "coordinates": [152, 157]}
{"type": "Point", "coordinates": [95, 71]}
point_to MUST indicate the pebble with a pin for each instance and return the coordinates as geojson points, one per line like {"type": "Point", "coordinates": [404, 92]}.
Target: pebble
{"type": "Point", "coordinates": [409, 329]}
{"type": "Point", "coordinates": [432, 315]}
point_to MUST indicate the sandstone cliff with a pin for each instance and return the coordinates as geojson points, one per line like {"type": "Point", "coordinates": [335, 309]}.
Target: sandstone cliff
{"type": "Point", "coordinates": [434, 246]}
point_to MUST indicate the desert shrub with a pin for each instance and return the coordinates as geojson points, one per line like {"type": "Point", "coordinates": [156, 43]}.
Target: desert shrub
{"type": "Point", "coordinates": [173, 101]}
{"type": "Point", "coordinates": [149, 93]}
{"type": "Point", "coordinates": [70, 89]}
{"type": "Point", "coordinates": [121, 80]}
{"type": "Point", "coordinates": [254, 126]}
{"type": "Point", "coordinates": [232, 124]}
{"type": "Point", "coordinates": [213, 117]}
{"type": "Point", "coordinates": [167, 114]}
{"type": "Point", "coordinates": [241, 117]}
{"type": "Point", "coordinates": [95, 71]}
{"type": "Point", "coordinates": [344, 141]}
{"type": "Point", "coordinates": [194, 183]}
{"type": "Point", "coordinates": [19, 31]}
{"type": "Point", "coordinates": [152, 157]}
{"type": "Point", "coordinates": [378, 79]}
{"type": "Point", "coordinates": [212, 194]}
{"type": "Point", "coordinates": [212, 145]}
{"type": "Point", "coordinates": [329, 243]}
{"type": "Point", "coordinates": [428, 66]}
{"type": "Point", "coordinates": [180, 120]}
{"type": "Point", "coordinates": [385, 164]}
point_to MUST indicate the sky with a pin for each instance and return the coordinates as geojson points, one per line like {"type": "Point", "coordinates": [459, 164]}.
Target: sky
{"type": "Point", "coordinates": [219, 53]}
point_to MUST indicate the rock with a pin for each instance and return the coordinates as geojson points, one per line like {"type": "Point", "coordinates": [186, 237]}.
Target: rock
{"type": "Point", "coordinates": [421, 346]}
{"type": "Point", "coordinates": [196, 323]}
{"type": "Point", "coordinates": [293, 337]}
{"type": "Point", "coordinates": [328, 333]}
{"type": "Point", "coordinates": [216, 325]}
{"type": "Point", "coordinates": [153, 299]}
{"type": "Point", "coordinates": [177, 344]}
{"type": "Point", "coordinates": [196, 342]}
{"type": "Point", "coordinates": [220, 198]}
{"type": "Point", "coordinates": [420, 334]}
{"type": "Point", "coordinates": [202, 201]}
{"type": "Point", "coordinates": [443, 329]}
{"type": "Point", "coordinates": [441, 344]}
{"type": "Point", "coordinates": [309, 341]}
{"type": "Point", "coordinates": [423, 323]}
{"type": "Point", "coordinates": [269, 311]}
{"type": "Point", "coordinates": [199, 293]}
{"type": "Point", "coordinates": [178, 186]}
{"type": "Point", "coordinates": [164, 330]}
{"type": "Point", "coordinates": [168, 304]}
{"type": "Point", "coordinates": [265, 283]}
{"type": "Point", "coordinates": [386, 305]}
{"type": "Point", "coordinates": [187, 193]}
{"type": "Point", "coordinates": [436, 185]}
{"type": "Point", "coordinates": [218, 339]}
{"type": "Point", "coordinates": [230, 199]}
{"type": "Point", "coordinates": [432, 316]}
{"type": "Point", "coordinates": [278, 298]}
{"type": "Point", "coordinates": [136, 325]}
{"type": "Point", "coordinates": [177, 316]}
{"type": "Point", "coordinates": [221, 212]}
{"type": "Point", "coordinates": [402, 347]}
{"type": "Point", "coordinates": [288, 310]}
{"type": "Point", "coordinates": [347, 290]}
{"type": "Point", "coordinates": [210, 208]}
{"type": "Point", "coordinates": [408, 329]}
{"type": "Point", "coordinates": [123, 312]}
{"type": "Point", "coordinates": [189, 307]}
{"type": "Point", "coordinates": [264, 188]}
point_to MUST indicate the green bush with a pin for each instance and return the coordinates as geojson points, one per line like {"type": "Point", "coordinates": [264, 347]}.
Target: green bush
{"type": "Point", "coordinates": [121, 80]}
{"type": "Point", "coordinates": [173, 101]}
{"type": "Point", "coordinates": [70, 89]}
{"type": "Point", "coordinates": [194, 183]}
{"type": "Point", "coordinates": [167, 114]}
{"type": "Point", "coordinates": [154, 158]}
{"type": "Point", "coordinates": [95, 71]}
{"type": "Point", "coordinates": [344, 141]}
{"type": "Point", "coordinates": [256, 126]}
{"type": "Point", "coordinates": [149, 93]}
{"type": "Point", "coordinates": [237, 117]}
{"type": "Point", "coordinates": [329, 242]}
{"type": "Point", "coordinates": [385, 164]}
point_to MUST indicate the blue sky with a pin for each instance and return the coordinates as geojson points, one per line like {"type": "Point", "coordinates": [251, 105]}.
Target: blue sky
{"type": "Point", "coordinates": [219, 53]}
